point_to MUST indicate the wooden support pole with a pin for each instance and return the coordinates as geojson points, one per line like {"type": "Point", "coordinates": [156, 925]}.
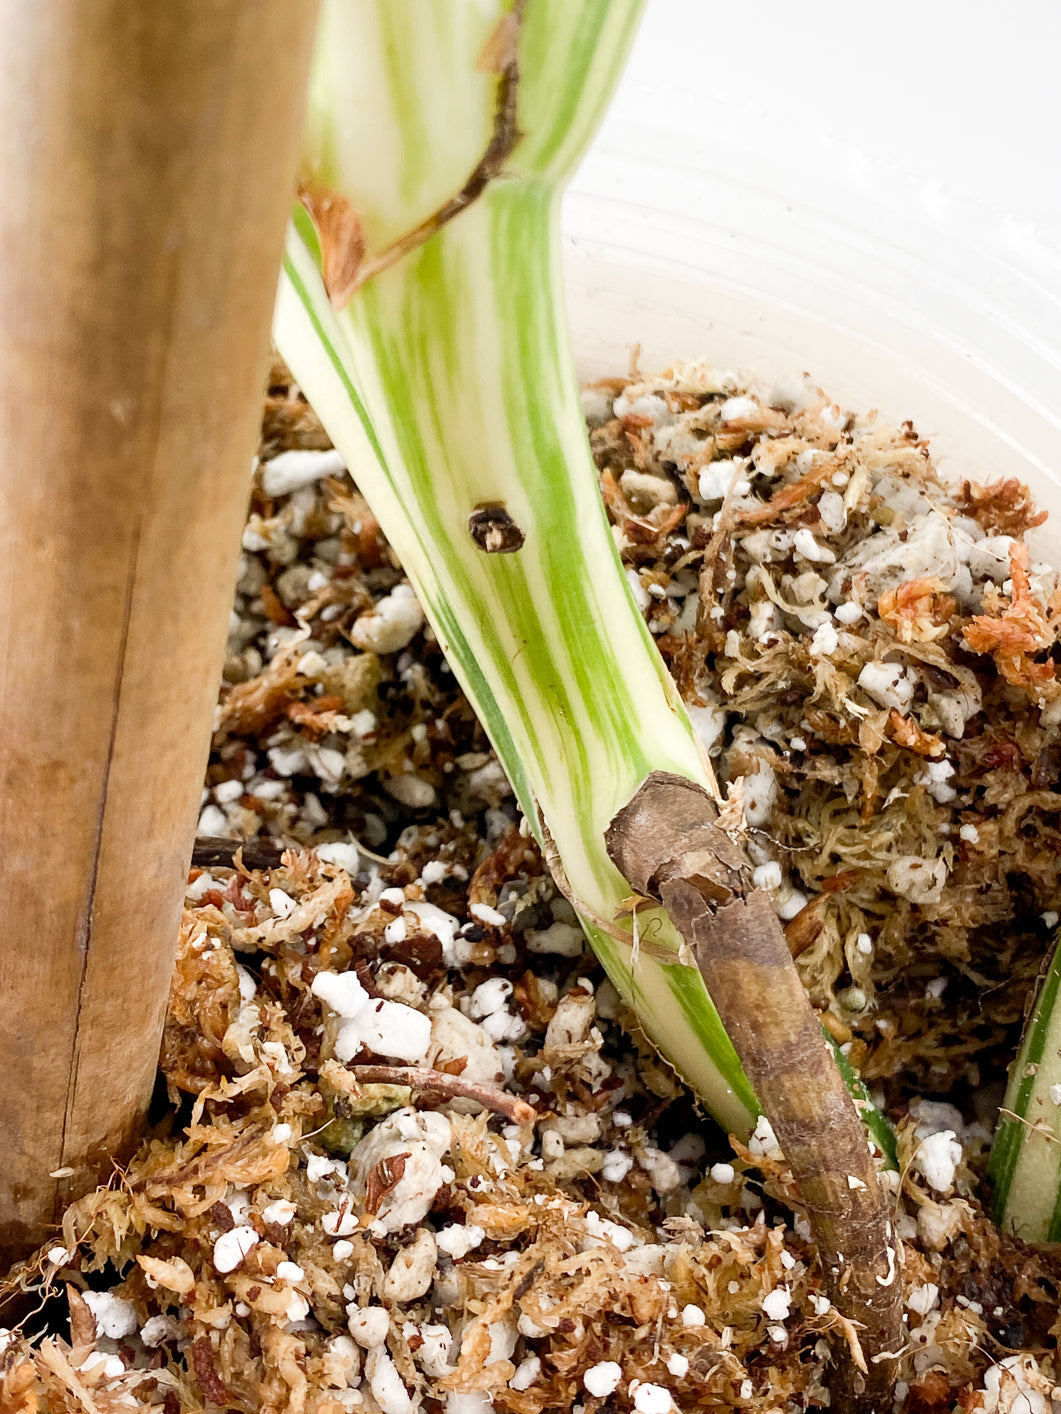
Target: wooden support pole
{"type": "Point", "coordinates": [147, 159]}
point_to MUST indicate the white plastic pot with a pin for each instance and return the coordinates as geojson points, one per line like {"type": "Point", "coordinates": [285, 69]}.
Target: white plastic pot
{"type": "Point", "coordinates": [867, 193]}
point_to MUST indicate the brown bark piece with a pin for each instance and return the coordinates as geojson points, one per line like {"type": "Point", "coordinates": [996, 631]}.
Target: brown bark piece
{"type": "Point", "coordinates": [665, 842]}
{"type": "Point", "coordinates": [206, 1371]}
{"type": "Point", "coordinates": [147, 159]}
{"type": "Point", "coordinates": [217, 852]}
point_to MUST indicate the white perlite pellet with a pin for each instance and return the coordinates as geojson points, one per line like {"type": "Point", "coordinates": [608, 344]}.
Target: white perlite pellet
{"type": "Point", "coordinates": [1017, 1386]}
{"type": "Point", "coordinates": [340, 1222]}
{"type": "Point", "coordinates": [368, 1325]}
{"type": "Point", "coordinates": [101, 1365]}
{"type": "Point", "coordinates": [490, 997]}
{"type": "Point", "coordinates": [916, 879]}
{"type": "Point", "coordinates": [652, 1399]}
{"type": "Point", "coordinates": [738, 408]}
{"type": "Point", "coordinates": [804, 543]}
{"type": "Point", "coordinates": [763, 1142]}
{"type": "Point", "coordinates": [767, 876]}
{"type": "Point", "coordinates": [617, 1164]}
{"type": "Point", "coordinates": [387, 1028]}
{"type": "Point", "coordinates": [606, 1231]}
{"type": "Point", "coordinates": [887, 684]}
{"type": "Point", "coordinates": [114, 1315]}
{"type": "Point", "coordinates": [433, 1354]}
{"type": "Point", "coordinates": [483, 913]}
{"type": "Point", "coordinates": [390, 625]}
{"type": "Point", "coordinates": [388, 1389]}
{"type": "Point", "coordinates": [320, 1166]}
{"type": "Point", "coordinates": [412, 1270]}
{"type": "Point", "coordinates": [527, 1371]}
{"type": "Point", "coordinates": [602, 1379]}
{"type": "Point", "coordinates": [825, 641]}
{"type": "Point", "coordinates": [938, 1158]}
{"type": "Point", "coordinates": [663, 1173]}
{"type": "Point", "coordinates": [341, 990]}
{"type": "Point", "coordinates": [832, 511]}
{"type": "Point", "coordinates": [469, 1402]}
{"type": "Point", "coordinates": [292, 470]}
{"type": "Point", "coordinates": [231, 1248]}
{"type": "Point", "coordinates": [156, 1330]}
{"type": "Point", "coordinates": [281, 903]}
{"type": "Point", "coordinates": [923, 1298]}
{"type": "Point", "coordinates": [760, 794]}
{"type": "Point", "coordinates": [777, 1304]}
{"type": "Point", "coordinates": [336, 852]}
{"type": "Point", "coordinates": [458, 1239]}
{"type": "Point", "coordinates": [847, 613]}
{"type": "Point", "coordinates": [422, 1137]}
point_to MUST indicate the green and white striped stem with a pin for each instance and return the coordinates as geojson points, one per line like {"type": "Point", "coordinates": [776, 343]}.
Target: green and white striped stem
{"type": "Point", "coordinates": [421, 310]}
{"type": "Point", "coordinates": [1025, 1169]}
{"type": "Point", "coordinates": [447, 383]}
{"type": "Point", "coordinates": [439, 363]}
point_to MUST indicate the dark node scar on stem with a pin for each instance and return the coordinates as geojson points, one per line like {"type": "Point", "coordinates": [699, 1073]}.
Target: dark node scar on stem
{"type": "Point", "coordinates": [494, 530]}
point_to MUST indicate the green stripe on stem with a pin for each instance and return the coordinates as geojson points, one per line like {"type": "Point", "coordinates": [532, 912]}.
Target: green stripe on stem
{"type": "Point", "coordinates": [447, 383]}
{"type": "Point", "coordinates": [1025, 1170]}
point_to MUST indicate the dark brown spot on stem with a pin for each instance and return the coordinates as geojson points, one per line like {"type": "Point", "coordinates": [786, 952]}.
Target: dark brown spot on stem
{"type": "Point", "coordinates": [494, 530]}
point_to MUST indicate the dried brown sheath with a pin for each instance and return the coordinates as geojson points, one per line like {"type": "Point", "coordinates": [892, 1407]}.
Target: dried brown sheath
{"type": "Point", "coordinates": [666, 843]}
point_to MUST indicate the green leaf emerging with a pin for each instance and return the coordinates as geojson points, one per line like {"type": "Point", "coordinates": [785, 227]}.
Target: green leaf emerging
{"type": "Point", "coordinates": [1025, 1169]}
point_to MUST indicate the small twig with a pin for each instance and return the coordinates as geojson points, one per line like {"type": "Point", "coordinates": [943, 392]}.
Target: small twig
{"type": "Point", "coordinates": [216, 852]}
{"type": "Point", "coordinates": [446, 1087]}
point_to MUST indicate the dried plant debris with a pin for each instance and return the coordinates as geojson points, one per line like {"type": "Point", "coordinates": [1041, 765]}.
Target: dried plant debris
{"type": "Point", "coordinates": [417, 1156]}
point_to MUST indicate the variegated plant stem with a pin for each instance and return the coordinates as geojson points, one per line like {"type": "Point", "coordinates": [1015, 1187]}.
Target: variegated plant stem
{"type": "Point", "coordinates": [1025, 1167]}
{"type": "Point", "coordinates": [439, 364]}
{"type": "Point", "coordinates": [448, 384]}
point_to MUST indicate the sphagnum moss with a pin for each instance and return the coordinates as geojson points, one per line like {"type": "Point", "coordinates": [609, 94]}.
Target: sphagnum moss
{"type": "Point", "coordinates": [624, 1205]}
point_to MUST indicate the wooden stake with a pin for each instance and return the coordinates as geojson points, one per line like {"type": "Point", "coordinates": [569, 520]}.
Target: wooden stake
{"type": "Point", "coordinates": [147, 162]}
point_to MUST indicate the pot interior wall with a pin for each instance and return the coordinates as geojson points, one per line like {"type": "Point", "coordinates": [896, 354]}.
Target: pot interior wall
{"type": "Point", "coordinates": [819, 196]}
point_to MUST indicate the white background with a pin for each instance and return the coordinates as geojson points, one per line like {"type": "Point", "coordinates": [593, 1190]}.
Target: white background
{"type": "Point", "coordinates": [869, 191]}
